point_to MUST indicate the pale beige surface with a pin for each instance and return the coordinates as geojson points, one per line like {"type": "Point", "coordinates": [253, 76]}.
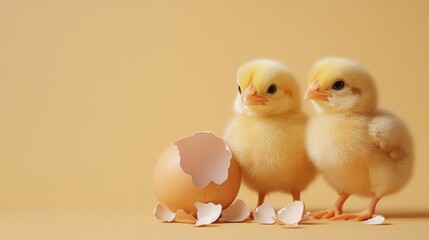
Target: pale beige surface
{"type": "Point", "coordinates": [91, 92]}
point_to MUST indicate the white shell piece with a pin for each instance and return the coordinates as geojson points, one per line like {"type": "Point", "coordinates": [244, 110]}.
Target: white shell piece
{"type": "Point", "coordinates": [207, 213]}
{"type": "Point", "coordinates": [237, 212]}
{"type": "Point", "coordinates": [163, 214]}
{"type": "Point", "coordinates": [306, 217]}
{"type": "Point", "coordinates": [264, 214]}
{"type": "Point", "coordinates": [375, 220]}
{"type": "Point", "coordinates": [291, 214]}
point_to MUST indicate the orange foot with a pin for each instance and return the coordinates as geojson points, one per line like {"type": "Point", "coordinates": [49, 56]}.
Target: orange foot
{"type": "Point", "coordinates": [327, 213]}
{"type": "Point", "coordinates": [359, 216]}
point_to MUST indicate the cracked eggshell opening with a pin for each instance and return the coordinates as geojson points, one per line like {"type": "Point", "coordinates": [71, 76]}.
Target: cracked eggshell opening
{"type": "Point", "coordinates": [237, 212]}
{"type": "Point", "coordinates": [205, 158]}
{"type": "Point", "coordinates": [264, 214]}
{"type": "Point", "coordinates": [291, 214]}
{"type": "Point", "coordinates": [199, 168]}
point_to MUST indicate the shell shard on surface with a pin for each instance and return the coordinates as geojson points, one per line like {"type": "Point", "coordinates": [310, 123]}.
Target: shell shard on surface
{"type": "Point", "coordinates": [205, 157]}
{"type": "Point", "coordinates": [237, 212]}
{"type": "Point", "coordinates": [306, 217]}
{"type": "Point", "coordinates": [264, 214]}
{"type": "Point", "coordinates": [163, 214]}
{"type": "Point", "coordinates": [291, 214]}
{"type": "Point", "coordinates": [376, 220]}
{"type": "Point", "coordinates": [207, 213]}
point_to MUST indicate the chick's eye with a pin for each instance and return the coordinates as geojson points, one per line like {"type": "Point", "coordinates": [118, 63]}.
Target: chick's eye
{"type": "Point", "coordinates": [272, 89]}
{"type": "Point", "coordinates": [239, 89]}
{"type": "Point", "coordinates": [338, 85]}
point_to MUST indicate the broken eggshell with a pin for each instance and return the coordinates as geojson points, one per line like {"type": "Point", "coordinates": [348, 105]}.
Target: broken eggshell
{"type": "Point", "coordinates": [163, 214]}
{"type": "Point", "coordinates": [291, 214]}
{"type": "Point", "coordinates": [264, 214]}
{"type": "Point", "coordinates": [199, 168]}
{"type": "Point", "coordinates": [237, 212]}
{"type": "Point", "coordinates": [376, 220]}
{"type": "Point", "coordinates": [207, 213]}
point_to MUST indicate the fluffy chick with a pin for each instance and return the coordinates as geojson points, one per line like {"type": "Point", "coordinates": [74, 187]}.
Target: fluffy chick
{"type": "Point", "coordinates": [358, 148]}
{"type": "Point", "coordinates": [267, 133]}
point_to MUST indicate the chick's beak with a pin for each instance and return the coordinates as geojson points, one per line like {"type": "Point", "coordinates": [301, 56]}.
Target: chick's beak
{"type": "Point", "coordinates": [251, 97]}
{"type": "Point", "coordinates": [314, 93]}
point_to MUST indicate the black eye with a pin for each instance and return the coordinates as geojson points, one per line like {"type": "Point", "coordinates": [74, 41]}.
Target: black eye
{"type": "Point", "coordinates": [272, 89]}
{"type": "Point", "coordinates": [239, 89]}
{"type": "Point", "coordinates": [338, 85]}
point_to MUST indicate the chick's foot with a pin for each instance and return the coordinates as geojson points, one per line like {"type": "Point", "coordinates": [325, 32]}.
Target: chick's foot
{"type": "Point", "coordinates": [327, 213]}
{"type": "Point", "coordinates": [358, 216]}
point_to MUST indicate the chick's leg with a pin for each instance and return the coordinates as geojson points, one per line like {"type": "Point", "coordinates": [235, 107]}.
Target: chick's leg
{"type": "Point", "coordinates": [261, 198]}
{"type": "Point", "coordinates": [296, 195]}
{"type": "Point", "coordinates": [360, 216]}
{"type": "Point", "coordinates": [335, 210]}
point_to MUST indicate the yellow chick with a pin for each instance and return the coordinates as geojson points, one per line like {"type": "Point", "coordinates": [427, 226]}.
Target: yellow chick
{"type": "Point", "coordinates": [267, 133]}
{"type": "Point", "coordinates": [358, 148]}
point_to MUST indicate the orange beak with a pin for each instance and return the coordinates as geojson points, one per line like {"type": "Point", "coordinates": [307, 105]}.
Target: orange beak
{"type": "Point", "coordinates": [252, 98]}
{"type": "Point", "coordinates": [314, 93]}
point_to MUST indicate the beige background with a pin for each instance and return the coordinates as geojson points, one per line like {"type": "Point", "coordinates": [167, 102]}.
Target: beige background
{"type": "Point", "coordinates": [91, 92]}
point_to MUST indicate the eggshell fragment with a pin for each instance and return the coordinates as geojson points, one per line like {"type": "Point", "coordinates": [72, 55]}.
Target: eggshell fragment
{"type": "Point", "coordinates": [207, 213]}
{"type": "Point", "coordinates": [163, 214]}
{"type": "Point", "coordinates": [375, 220]}
{"type": "Point", "coordinates": [264, 214]}
{"type": "Point", "coordinates": [237, 212]}
{"type": "Point", "coordinates": [182, 216]}
{"type": "Point", "coordinates": [306, 217]}
{"type": "Point", "coordinates": [291, 214]}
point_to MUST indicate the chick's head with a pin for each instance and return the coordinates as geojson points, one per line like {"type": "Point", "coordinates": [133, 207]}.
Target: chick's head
{"type": "Point", "coordinates": [341, 85]}
{"type": "Point", "coordinates": [266, 87]}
